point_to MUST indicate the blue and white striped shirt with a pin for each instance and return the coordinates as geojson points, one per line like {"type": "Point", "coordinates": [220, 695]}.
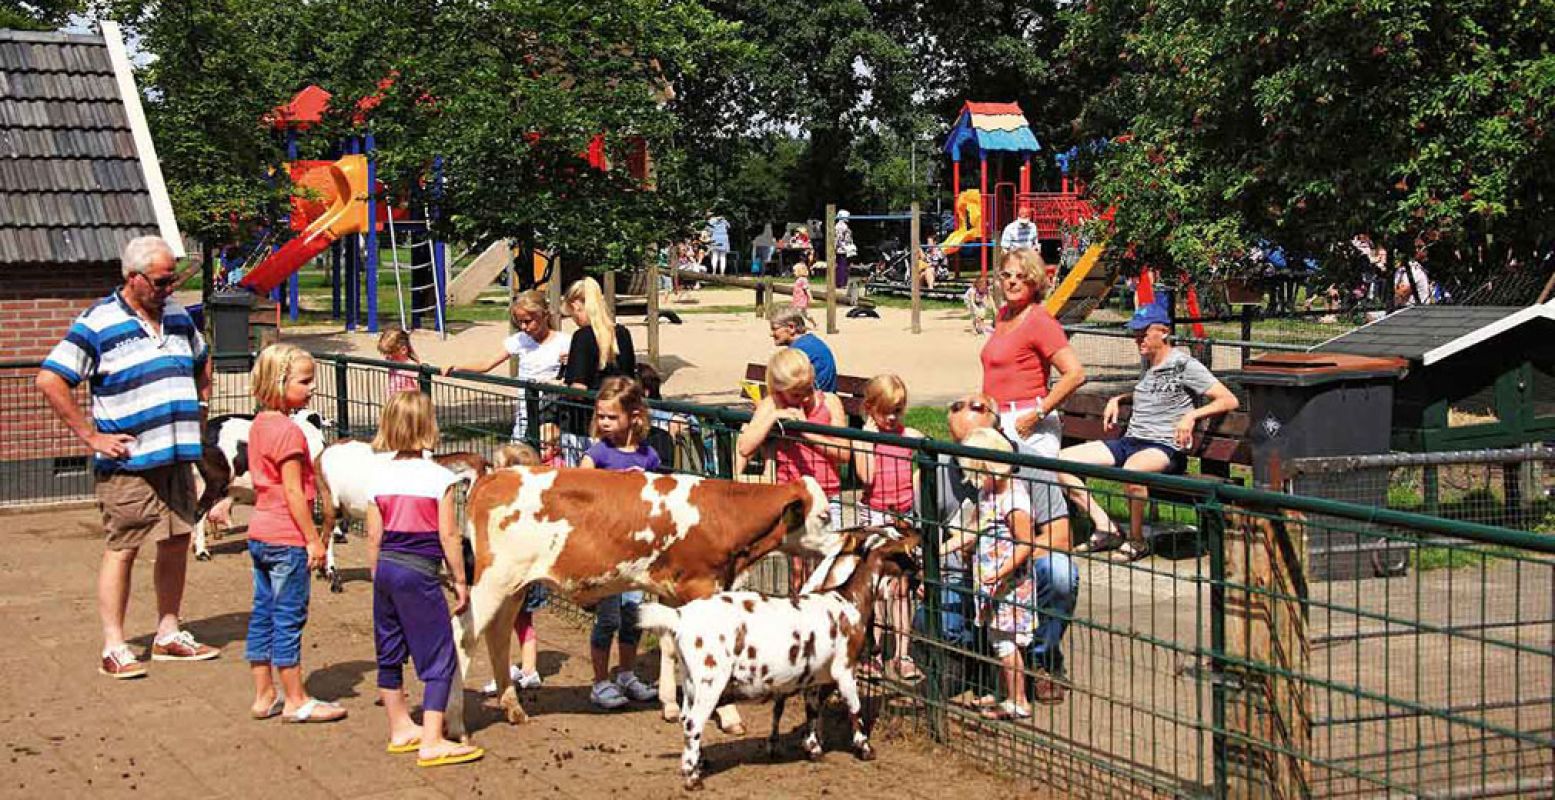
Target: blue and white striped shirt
{"type": "Point", "coordinates": [143, 383]}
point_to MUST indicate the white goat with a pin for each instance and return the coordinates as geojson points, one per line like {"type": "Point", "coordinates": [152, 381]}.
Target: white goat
{"type": "Point", "coordinates": [743, 645]}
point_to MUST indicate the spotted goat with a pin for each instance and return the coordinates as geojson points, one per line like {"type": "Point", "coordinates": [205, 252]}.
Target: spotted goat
{"type": "Point", "coordinates": [747, 646]}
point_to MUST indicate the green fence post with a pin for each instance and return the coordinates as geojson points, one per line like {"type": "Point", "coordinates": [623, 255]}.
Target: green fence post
{"type": "Point", "coordinates": [934, 584]}
{"type": "Point", "coordinates": [424, 379]}
{"type": "Point", "coordinates": [342, 400]}
{"type": "Point", "coordinates": [1212, 522]}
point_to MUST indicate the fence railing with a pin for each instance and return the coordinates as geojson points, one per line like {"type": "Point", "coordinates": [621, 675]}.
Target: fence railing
{"type": "Point", "coordinates": [1214, 668]}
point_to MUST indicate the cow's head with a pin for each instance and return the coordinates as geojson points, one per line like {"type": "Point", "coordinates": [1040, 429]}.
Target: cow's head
{"type": "Point", "coordinates": [807, 522]}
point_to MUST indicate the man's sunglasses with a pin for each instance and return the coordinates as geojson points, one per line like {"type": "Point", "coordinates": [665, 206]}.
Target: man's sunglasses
{"type": "Point", "coordinates": [164, 282]}
{"type": "Point", "coordinates": [976, 406]}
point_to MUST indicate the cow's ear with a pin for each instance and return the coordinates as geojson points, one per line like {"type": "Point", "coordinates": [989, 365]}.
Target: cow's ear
{"type": "Point", "coordinates": [794, 516]}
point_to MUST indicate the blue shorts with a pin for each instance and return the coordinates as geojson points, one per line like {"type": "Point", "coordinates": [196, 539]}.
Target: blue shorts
{"type": "Point", "coordinates": [1125, 448]}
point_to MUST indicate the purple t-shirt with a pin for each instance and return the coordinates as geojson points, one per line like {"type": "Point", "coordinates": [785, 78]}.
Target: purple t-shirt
{"type": "Point", "coordinates": [608, 457]}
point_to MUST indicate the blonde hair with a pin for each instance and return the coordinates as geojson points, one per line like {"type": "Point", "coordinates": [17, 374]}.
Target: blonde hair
{"type": "Point", "coordinates": [1032, 269]}
{"type": "Point", "coordinates": [801, 271]}
{"type": "Point", "coordinates": [884, 392]}
{"type": "Point", "coordinates": [627, 394]}
{"type": "Point", "coordinates": [532, 302]}
{"type": "Point", "coordinates": [516, 454]}
{"type": "Point", "coordinates": [408, 424]}
{"type": "Point", "coordinates": [393, 340]}
{"type": "Point", "coordinates": [986, 439]}
{"type": "Point", "coordinates": [587, 291]}
{"type": "Point", "coordinates": [271, 371]}
{"type": "Point", "coordinates": [789, 369]}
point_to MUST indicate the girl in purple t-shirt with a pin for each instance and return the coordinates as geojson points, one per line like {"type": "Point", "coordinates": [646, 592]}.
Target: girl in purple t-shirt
{"type": "Point", "coordinates": [620, 431]}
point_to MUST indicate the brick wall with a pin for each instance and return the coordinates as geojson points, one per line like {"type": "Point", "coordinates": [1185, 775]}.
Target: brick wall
{"type": "Point", "coordinates": [37, 304]}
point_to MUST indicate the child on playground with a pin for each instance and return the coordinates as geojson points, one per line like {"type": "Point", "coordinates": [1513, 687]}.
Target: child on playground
{"type": "Point", "coordinates": [283, 544]}
{"type": "Point", "coordinates": [886, 470]}
{"type": "Point", "coordinates": [526, 673]}
{"type": "Point", "coordinates": [979, 303]}
{"type": "Point", "coordinates": [802, 298]}
{"type": "Point", "coordinates": [411, 532]}
{"type": "Point", "coordinates": [394, 345]}
{"type": "Point", "coordinates": [792, 396]}
{"type": "Point", "coordinates": [1001, 570]}
{"type": "Point", "coordinates": [620, 432]}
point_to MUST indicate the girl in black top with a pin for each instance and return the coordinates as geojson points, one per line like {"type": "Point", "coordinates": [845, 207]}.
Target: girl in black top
{"type": "Point", "coordinates": [600, 349]}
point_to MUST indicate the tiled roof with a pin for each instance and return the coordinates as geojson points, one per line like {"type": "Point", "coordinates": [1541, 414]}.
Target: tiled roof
{"type": "Point", "coordinates": [1412, 332]}
{"type": "Point", "coordinates": [71, 185]}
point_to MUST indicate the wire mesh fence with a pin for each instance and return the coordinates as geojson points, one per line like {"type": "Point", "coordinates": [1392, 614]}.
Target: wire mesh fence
{"type": "Point", "coordinates": [1216, 667]}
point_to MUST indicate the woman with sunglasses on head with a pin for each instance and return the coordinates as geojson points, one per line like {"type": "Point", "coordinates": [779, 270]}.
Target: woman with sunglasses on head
{"type": "Point", "coordinates": [1026, 347]}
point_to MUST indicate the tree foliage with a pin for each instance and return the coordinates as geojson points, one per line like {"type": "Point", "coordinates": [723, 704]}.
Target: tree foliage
{"type": "Point", "coordinates": [1307, 122]}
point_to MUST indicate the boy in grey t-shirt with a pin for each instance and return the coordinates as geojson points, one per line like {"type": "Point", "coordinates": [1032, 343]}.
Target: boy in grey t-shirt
{"type": "Point", "coordinates": [1160, 430]}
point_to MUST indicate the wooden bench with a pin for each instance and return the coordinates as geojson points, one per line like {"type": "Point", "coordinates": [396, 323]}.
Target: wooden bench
{"type": "Point", "coordinates": [850, 390]}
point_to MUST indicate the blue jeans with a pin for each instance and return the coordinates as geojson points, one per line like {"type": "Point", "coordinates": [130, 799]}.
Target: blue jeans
{"type": "Point", "coordinates": [281, 590]}
{"type": "Point", "coordinates": [1058, 589]}
{"type": "Point", "coordinates": [616, 616]}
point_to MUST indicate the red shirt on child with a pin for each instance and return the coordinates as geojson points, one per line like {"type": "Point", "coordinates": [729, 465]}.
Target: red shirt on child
{"type": "Point", "coordinates": [273, 439]}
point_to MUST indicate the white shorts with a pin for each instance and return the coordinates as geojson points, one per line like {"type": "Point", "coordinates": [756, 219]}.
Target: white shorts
{"type": "Point", "coordinates": [1006, 644]}
{"type": "Point", "coordinates": [1045, 440]}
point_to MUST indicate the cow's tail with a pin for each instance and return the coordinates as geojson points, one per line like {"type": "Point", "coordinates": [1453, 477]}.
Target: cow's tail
{"type": "Point", "coordinates": [658, 618]}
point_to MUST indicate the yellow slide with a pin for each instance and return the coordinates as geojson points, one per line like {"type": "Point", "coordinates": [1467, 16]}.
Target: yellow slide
{"type": "Point", "coordinates": [969, 216]}
{"type": "Point", "coordinates": [1083, 289]}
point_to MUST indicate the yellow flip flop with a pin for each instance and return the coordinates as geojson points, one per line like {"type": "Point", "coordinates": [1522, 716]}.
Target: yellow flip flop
{"type": "Point", "coordinates": [409, 747]}
{"type": "Point", "coordinates": [452, 758]}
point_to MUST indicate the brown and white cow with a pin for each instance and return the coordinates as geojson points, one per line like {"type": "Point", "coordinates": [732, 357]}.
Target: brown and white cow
{"type": "Point", "coordinates": [590, 534]}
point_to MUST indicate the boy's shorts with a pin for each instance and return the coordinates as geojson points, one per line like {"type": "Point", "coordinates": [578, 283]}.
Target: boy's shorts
{"type": "Point", "coordinates": [1124, 448]}
{"type": "Point", "coordinates": [152, 505]}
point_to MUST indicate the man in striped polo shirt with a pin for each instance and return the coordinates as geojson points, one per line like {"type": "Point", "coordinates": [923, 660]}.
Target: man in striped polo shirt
{"type": "Point", "coordinates": [150, 378]}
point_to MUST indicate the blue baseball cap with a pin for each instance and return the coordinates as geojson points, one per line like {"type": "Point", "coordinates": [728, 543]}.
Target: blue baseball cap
{"type": "Point", "coordinates": [1146, 316]}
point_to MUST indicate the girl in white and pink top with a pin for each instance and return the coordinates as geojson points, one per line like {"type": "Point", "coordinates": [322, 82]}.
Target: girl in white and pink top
{"type": "Point", "coordinates": [540, 349]}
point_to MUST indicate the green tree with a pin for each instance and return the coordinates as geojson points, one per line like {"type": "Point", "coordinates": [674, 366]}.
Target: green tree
{"type": "Point", "coordinates": [39, 16]}
{"type": "Point", "coordinates": [1307, 122]}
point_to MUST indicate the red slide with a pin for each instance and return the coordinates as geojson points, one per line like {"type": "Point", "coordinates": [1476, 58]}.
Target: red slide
{"type": "Point", "coordinates": [282, 263]}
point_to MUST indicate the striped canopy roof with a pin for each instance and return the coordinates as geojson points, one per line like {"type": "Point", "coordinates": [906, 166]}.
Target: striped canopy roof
{"type": "Point", "coordinates": [991, 127]}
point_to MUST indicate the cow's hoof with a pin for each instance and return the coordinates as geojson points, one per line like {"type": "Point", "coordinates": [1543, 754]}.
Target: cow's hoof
{"type": "Point", "coordinates": [814, 753]}
{"type": "Point", "coordinates": [693, 783]}
{"type": "Point", "coordinates": [335, 587]}
{"type": "Point", "coordinates": [340, 537]}
{"type": "Point", "coordinates": [737, 729]}
{"type": "Point", "coordinates": [866, 753]}
{"type": "Point", "coordinates": [670, 713]}
{"type": "Point", "coordinates": [206, 556]}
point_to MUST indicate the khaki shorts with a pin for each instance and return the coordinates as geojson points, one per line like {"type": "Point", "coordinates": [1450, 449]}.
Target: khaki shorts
{"type": "Point", "coordinates": [154, 505]}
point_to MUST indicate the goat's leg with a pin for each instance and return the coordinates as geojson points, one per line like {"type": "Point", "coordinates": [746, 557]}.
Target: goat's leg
{"type": "Point", "coordinates": [847, 686]}
{"type": "Point", "coordinates": [812, 721]}
{"type": "Point", "coordinates": [330, 571]}
{"type": "Point", "coordinates": [499, 646]}
{"type": "Point", "coordinates": [201, 552]}
{"type": "Point", "coordinates": [729, 720]}
{"type": "Point", "coordinates": [777, 718]}
{"type": "Point", "coordinates": [464, 643]}
{"type": "Point", "coordinates": [700, 700]}
{"type": "Point", "coordinates": [668, 679]}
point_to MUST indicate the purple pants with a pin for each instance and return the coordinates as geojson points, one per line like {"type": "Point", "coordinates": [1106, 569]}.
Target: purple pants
{"type": "Point", "coordinates": [410, 620]}
{"type": "Point", "coordinates": [841, 272]}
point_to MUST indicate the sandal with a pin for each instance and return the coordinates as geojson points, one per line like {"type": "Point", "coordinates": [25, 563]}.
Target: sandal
{"type": "Point", "coordinates": [1006, 710]}
{"type": "Point", "coordinates": [456, 756]}
{"type": "Point", "coordinates": [907, 670]}
{"type": "Point", "coordinates": [1049, 691]}
{"type": "Point", "coordinates": [1129, 552]}
{"type": "Point", "coordinates": [411, 745]}
{"type": "Point", "coordinates": [870, 669]}
{"type": "Point", "coordinates": [315, 710]}
{"type": "Point", "coordinates": [1100, 543]}
{"type": "Point", "coordinates": [274, 710]}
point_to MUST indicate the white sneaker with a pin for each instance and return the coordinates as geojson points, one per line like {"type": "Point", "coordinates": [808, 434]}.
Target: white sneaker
{"type": "Point", "coordinates": [607, 695]}
{"type": "Point", "coordinates": [517, 677]}
{"type": "Point", "coordinates": [634, 687]}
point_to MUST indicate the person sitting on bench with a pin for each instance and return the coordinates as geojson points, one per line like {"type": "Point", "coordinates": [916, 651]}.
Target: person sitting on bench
{"type": "Point", "coordinates": [1159, 435]}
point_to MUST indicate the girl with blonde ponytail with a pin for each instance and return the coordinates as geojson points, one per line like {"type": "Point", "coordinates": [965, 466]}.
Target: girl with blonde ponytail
{"type": "Point", "coordinates": [601, 348]}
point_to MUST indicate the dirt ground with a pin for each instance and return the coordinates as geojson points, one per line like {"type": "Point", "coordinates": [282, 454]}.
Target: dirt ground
{"type": "Point", "coordinates": [705, 357]}
{"type": "Point", "coordinates": [184, 730]}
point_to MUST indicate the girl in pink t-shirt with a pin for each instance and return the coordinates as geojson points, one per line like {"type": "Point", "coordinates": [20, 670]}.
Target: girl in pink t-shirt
{"type": "Point", "coordinates": [802, 297]}
{"type": "Point", "coordinates": [887, 474]}
{"type": "Point", "coordinates": [394, 345]}
{"type": "Point", "coordinates": [283, 544]}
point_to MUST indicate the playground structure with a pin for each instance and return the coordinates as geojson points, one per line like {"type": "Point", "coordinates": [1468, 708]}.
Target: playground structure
{"type": "Point", "coordinates": [342, 209]}
{"type": "Point", "coordinates": [996, 133]}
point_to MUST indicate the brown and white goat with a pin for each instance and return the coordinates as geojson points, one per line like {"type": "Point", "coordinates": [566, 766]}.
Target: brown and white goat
{"type": "Point", "coordinates": [747, 646]}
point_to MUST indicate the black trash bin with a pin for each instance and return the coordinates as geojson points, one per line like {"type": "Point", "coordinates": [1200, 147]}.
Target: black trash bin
{"type": "Point", "coordinates": [229, 314]}
{"type": "Point", "coordinates": [1306, 405]}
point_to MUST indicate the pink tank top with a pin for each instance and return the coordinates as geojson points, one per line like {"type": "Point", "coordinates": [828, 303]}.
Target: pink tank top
{"type": "Point", "coordinates": [796, 458]}
{"type": "Point", "coordinates": [802, 293]}
{"type": "Point", "coordinates": [892, 488]}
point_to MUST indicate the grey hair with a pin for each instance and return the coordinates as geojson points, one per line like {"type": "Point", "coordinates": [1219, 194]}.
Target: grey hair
{"type": "Point", "coordinates": [788, 316]}
{"type": "Point", "coordinates": [139, 253]}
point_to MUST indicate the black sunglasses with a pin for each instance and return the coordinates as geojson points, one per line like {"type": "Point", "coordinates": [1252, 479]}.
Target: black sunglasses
{"type": "Point", "coordinates": [164, 282]}
{"type": "Point", "coordinates": [976, 406]}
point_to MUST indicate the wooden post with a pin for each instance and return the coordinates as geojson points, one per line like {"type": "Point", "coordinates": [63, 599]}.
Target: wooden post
{"type": "Point", "coordinates": [512, 269]}
{"type": "Point", "coordinates": [653, 306]}
{"type": "Point", "coordinates": [768, 294]}
{"type": "Point", "coordinates": [917, 274]}
{"type": "Point", "coordinates": [831, 268]}
{"type": "Point", "coordinates": [553, 291]}
{"type": "Point", "coordinates": [610, 292]}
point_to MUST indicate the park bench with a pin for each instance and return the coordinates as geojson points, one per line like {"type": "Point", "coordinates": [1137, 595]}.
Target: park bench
{"type": "Point", "coordinates": [850, 390]}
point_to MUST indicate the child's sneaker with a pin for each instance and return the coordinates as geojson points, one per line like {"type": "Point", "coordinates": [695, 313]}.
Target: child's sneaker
{"type": "Point", "coordinates": [607, 695]}
{"type": "Point", "coordinates": [526, 680]}
{"type": "Point", "coordinates": [634, 687]}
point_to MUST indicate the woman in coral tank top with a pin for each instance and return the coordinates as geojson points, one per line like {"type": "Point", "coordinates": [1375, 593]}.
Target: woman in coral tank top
{"type": "Point", "coordinates": [1027, 345]}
